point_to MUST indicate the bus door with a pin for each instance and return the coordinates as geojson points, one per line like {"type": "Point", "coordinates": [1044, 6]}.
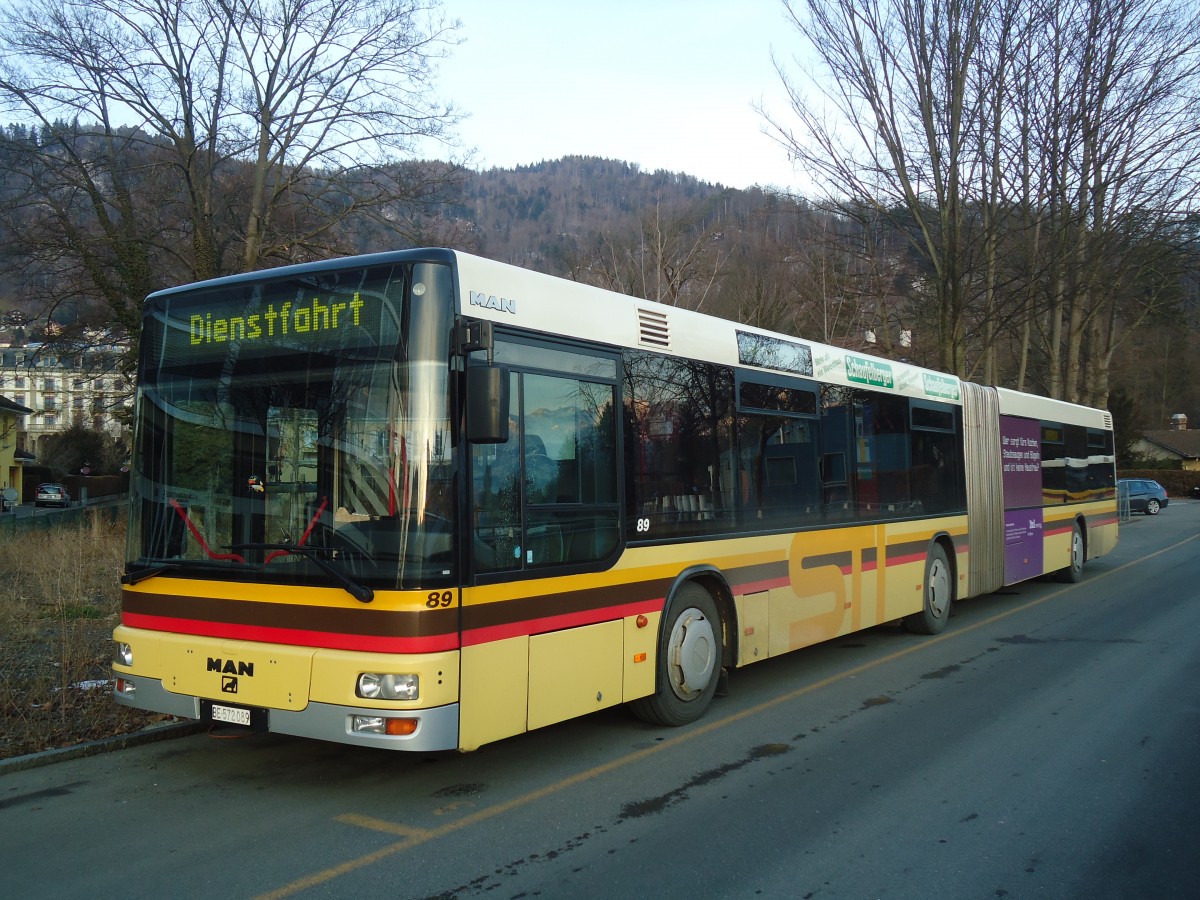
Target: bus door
{"type": "Point", "coordinates": [549, 496]}
{"type": "Point", "coordinates": [545, 502]}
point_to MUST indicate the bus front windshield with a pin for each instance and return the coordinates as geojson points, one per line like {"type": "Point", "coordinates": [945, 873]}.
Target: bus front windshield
{"type": "Point", "coordinates": [297, 430]}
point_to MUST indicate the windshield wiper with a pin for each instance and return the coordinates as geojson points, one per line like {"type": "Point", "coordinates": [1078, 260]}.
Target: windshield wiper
{"type": "Point", "coordinates": [149, 572]}
{"type": "Point", "coordinates": [359, 592]}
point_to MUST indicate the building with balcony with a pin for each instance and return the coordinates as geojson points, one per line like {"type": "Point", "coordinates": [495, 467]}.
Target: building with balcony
{"type": "Point", "coordinates": [58, 388]}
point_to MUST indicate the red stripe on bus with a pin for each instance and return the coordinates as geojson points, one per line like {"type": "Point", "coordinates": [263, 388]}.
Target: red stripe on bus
{"type": "Point", "coordinates": [291, 636]}
{"type": "Point", "coordinates": [1058, 528]}
{"type": "Point", "coordinates": [753, 587]}
{"type": "Point", "coordinates": [906, 558]}
{"type": "Point", "coordinates": [546, 624]}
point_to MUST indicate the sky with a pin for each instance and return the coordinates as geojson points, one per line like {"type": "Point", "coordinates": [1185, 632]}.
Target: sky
{"type": "Point", "coordinates": [665, 84]}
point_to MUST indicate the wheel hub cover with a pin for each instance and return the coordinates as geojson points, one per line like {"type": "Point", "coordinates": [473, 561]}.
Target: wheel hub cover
{"type": "Point", "coordinates": [939, 589]}
{"type": "Point", "coordinates": [693, 654]}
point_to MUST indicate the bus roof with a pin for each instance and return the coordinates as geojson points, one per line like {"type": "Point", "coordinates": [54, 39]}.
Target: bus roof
{"type": "Point", "coordinates": [1032, 406]}
{"type": "Point", "coordinates": [511, 295]}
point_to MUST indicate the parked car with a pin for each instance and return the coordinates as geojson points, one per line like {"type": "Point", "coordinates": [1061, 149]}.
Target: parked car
{"type": "Point", "coordinates": [1145, 495]}
{"type": "Point", "coordinates": [52, 495]}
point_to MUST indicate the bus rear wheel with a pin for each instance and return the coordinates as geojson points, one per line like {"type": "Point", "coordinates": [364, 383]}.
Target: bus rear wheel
{"type": "Point", "coordinates": [939, 595]}
{"type": "Point", "coordinates": [689, 660]}
{"type": "Point", "coordinates": [1073, 573]}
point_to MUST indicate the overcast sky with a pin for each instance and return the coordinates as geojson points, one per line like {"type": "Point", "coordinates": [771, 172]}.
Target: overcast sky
{"type": "Point", "coordinates": [666, 84]}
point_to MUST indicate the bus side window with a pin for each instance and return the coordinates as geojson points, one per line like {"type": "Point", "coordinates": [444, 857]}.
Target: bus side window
{"type": "Point", "coordinates": [680, 462]}
{"type": "Point", "coordinates": [835, 450]}
{"type": "Point", "coordinates": [936, 471]}
{"type": "Point", "coordinates": [1054, 463]}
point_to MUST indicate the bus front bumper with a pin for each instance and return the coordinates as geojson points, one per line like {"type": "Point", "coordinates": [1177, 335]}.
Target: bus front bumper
{"type": "Point", "coordinates": [437, 728]}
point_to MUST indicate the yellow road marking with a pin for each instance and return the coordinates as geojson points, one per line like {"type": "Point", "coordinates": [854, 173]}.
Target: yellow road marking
{"type": "Point", "coordinates": [382, 825]}
{"type": "Point", "coordinates": [414, 837]}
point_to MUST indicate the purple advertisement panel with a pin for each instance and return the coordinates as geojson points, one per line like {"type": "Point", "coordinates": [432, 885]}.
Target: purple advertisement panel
{"type": "Point", "coordinates": [1021, 458]}
{"type": "Point", "coordinates": [1022, 544]}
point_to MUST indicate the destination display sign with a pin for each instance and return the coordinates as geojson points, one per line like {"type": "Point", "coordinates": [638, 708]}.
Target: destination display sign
{"type": "Point", "coordinates": [294, 318]}
{"type": "Point", "coordinates": [288, 315]}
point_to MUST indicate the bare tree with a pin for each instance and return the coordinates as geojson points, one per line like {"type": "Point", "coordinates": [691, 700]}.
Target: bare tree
{"type": "Point", "coordinates": [210, 136]}
{"type": "Point", "coordinates": [1128, 171]}
{"type": "Point", "coordinates": [1033, 152]}
{"type": "Point", "coordinates": [897, 84]}
{"type": "Point", "coordinates": [674, 258]}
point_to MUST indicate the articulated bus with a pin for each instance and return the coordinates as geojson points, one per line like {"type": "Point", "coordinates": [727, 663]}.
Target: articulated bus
{"type": "Point", "coordinates": [423, 501]}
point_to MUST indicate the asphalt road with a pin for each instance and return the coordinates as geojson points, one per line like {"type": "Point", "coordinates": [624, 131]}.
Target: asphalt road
{"type": "Point", "coordinates": [1044, 746]}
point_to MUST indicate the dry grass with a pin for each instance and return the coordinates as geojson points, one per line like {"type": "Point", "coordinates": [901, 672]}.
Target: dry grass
{"type": "Point", "coordinates": [60, 599]}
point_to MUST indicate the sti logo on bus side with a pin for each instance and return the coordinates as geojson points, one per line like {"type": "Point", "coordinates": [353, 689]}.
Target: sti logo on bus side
{"type": "Point", "coordinates": [491, 301]}
{"type": "Point", "coordinates": [230, 667]}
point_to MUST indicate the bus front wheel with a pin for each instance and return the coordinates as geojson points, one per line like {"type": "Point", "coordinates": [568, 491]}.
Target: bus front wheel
{"type": "Point", "coordinates": [689, 660]}
{"type": "Point", "coordinates": [939, 595]}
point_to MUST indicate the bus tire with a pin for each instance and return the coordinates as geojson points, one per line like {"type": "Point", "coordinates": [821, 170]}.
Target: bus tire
{"type": "Point", "coordinates": [938, 595]}
{"type": "Point", "coordinates": [1073, 573]}
{"type": "Point", "coordinates": [689, 660]}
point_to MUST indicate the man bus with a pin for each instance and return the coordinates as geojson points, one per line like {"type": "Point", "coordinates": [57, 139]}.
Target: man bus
{"type": "Point", "coordinates": [422, 500]}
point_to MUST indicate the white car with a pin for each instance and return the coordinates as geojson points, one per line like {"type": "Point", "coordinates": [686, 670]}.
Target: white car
{"type": "Point", "coordinates": [52, 495]}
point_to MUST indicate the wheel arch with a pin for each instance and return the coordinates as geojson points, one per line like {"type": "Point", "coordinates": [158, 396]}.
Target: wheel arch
{"type": "Point", "coordinates": [946, 542]}
{"type": "Point", "coordinates": [713, 580]}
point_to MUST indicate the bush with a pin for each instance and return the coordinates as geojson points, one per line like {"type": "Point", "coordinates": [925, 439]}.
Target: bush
{"type": "Point", "coordinates": [1178, 482]}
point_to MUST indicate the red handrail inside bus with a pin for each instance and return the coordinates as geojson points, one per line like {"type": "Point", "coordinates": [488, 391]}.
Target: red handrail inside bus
{"type": "Point", "coordinates": [200, 538]}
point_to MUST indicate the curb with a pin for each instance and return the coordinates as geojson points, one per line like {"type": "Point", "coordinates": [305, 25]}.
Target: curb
{"type": "Point", "coordinates": [151, 735]}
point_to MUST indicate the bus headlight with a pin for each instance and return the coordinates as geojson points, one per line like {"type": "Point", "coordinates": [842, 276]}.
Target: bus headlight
{"type": "Point", "coordinates": [375, 686]}
{"type": "Point", "coordinates": [124, 655]}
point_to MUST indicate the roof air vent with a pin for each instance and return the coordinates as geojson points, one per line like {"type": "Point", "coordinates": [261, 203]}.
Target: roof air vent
{"type": "Point", "coordinates": [653, 329]}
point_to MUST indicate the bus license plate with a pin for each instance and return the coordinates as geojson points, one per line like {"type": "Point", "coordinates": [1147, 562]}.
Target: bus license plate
{"type": "Point", "coordinates": [231, 714]}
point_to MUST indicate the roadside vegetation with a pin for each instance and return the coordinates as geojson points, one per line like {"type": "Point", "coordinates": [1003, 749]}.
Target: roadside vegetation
{"type": "Point", "coordinates": [60, 599]}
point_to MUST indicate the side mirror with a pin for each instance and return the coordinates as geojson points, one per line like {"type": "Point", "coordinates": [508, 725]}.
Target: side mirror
{"type": "Point", "coordinates": [487, 405]}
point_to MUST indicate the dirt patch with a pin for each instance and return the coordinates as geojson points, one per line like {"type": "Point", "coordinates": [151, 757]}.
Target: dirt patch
{"type": "Point", "coordinates": [60, 599]}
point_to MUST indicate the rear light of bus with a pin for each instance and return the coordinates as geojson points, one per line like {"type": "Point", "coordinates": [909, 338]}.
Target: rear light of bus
{"type": "Point", "coordinates": [383, 725]}
{"type": "Point", "coordinates": [376, 686]}
{"type": "Point", "coordinates": [125, 687]}
{"type": "Point", "coordinates": [124, 654]}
